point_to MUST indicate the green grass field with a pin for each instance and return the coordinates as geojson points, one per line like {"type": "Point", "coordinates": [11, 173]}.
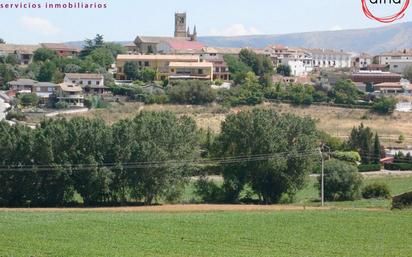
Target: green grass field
{"type": "Point", "coordinates": [304, 233]}
{"type": "Point", "coordinates": [398, 185]}
{"type": "Point", "coordinates": [336, 232]}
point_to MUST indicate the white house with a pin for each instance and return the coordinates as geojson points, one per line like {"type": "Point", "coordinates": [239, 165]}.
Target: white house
{"type": "Point", "coordinates": [299, 61]}
{"type": "Point", "coordinates": [84, 79]}
{"type": "Point", "coordinates": [327, 58]}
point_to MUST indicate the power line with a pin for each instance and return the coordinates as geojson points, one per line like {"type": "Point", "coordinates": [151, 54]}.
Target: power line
{"type": "Point", "coordinates": [159, 164]}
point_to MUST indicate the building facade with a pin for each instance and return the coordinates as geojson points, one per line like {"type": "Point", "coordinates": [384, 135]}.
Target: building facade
{"type": "Point", "coordinates": [71, 94]}
{"type": "Point", "coordinates": [159, 63]}
{"type": "Point", "coordinates": [191, 70]}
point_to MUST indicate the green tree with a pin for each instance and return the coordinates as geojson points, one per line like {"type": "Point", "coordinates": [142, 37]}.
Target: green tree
{"type": "Point", "coordinates": [148, 74]}
{"type": "Point", "coordinates": [283, 70]}
{"type": "Point", "coordinates": [46, 72]}
{"type": "Point", "coordinates": [342, 181]}
{"type": "Point", "coordinates": [12, 59]}
{"type": "Point", "coordinates": [345, 92]}
{"type": "Point", "coordinates": [115, 49]}
{"type": "Point", "coordinates": [191, 92]}
{"type": "Point", "coordinates": [131, 70]}
{"type": "Point", "coordinates": [385, 105]}
{"type": "Point", "coordinates": [159, 137]}
{"type": "Point", "coordinates": [102, 57]}
{"type": "Point", "coordinates": [44, 54]}
{"type": "Point", "coordinates": [2, 41]}
{"type": "Point", "coordinates": [377, 149]}
{"type": "Point", "coordinates": [287, 139]}
{"type": "Point", "coordinates": [361, 140]}
{"type": "Point", "coordinates": [29, 99]}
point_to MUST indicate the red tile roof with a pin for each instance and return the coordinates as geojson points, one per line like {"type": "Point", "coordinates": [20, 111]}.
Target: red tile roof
{"type": "Point", "coordinates": [179, 44]}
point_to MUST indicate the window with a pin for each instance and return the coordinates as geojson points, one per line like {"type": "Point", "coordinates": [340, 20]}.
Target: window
{"type": "Point", "coordinates": [74, 81]}
{"type": "Point", "coordinates": [97, 82]}
{"type": "Point", "coordinates": [89, 82]}
{"type": "Point", "coordinates": [50, 89]}
{"type": "Point", "coordinates": [146, 64]}
{"type": "Point", "coordinates": [200, 71]}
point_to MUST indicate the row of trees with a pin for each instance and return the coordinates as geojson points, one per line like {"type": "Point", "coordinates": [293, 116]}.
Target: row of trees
{"type": "Point", "coordinates": [46, 166]}
{"type": "Point", "coordinates": [146, 158]}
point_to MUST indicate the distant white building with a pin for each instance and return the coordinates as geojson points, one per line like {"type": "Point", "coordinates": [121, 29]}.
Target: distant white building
{"type": "Point", "coordinates": [84, 79]}
{"type": "Point", "coordinates": [362, 61]}
{"type": "Point", "coordinates": [327, 58]}
{"type": "Point", "coordinates": [299, 60]}
{"type": "Point", "coordinates": [303, 60]}
{"type": "Point", "coordinates": [399, 66]}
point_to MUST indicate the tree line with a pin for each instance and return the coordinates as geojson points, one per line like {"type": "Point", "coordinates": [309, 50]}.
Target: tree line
{"type": "Point", "coordinates": [152, 157]}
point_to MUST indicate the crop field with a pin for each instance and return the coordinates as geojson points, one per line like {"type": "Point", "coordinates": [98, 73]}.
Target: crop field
{"type": "Point", "coordinates": [283, 233]}
{"type": "Point", "coordinates": [336, 121]}
{"type": "Point", "coordinates": [397, 185]}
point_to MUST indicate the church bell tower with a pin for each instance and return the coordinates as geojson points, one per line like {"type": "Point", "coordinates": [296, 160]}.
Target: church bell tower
{"type": "Point", "coordinates": [180, 25]}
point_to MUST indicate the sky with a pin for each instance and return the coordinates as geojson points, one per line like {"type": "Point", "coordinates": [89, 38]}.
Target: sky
{"type": "Point", "coordinates": [123, 20]}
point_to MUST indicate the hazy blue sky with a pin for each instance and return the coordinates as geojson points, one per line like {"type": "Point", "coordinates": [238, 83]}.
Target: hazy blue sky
{"type": "Point", "coordinates": [124, 19]}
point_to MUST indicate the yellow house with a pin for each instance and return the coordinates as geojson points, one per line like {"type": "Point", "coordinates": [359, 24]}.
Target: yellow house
{"type": "Point", "coordinates": [159, 63]}
{"type": "Point", "coordinates": [191, 70]}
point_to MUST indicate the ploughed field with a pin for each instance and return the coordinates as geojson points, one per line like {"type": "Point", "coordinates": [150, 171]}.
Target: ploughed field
{"type": "Point", "coordinates": [256, 233]}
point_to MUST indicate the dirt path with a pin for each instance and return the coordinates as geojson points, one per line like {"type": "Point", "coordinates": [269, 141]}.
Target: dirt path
{"type": "Point", "coordinates": [187, 208]}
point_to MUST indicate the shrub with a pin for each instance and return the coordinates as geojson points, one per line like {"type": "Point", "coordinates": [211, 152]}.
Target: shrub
{"type": "Point", "coordinates": [352, 157]}
{"type": "Point", "coordinates": [369, 167]}
{"type": "Point", "coordinates": [29, 99]}
{"type": "Point", "coordinates": [95, 102]}
{"type": "Point", "coordinates": [402, 201]}
{"type": "Point", "coordinates": [398, 166]}
{"type": "Point", "coordinates": [191, 92]}
{"type": "Point", "coordinates": [17, 115]}
{"type": "Point", "coordinates": [342, 181]}
{"type": "Point", "coordinates": [377, 190]}
{"type": "Point", "coordinates": [385, 105]}
{"type": "Point", "coordinates": [208, 191]}
{"type": "Point", "coordinates": [61, 105]}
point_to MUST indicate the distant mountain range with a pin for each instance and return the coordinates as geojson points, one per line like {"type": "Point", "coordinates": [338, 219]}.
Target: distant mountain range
{"type": "Point", "coordinates": [373, 40]}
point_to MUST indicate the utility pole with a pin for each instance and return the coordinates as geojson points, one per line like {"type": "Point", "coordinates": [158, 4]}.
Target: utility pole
{"type": "Point", "coordinates": [322, 183]}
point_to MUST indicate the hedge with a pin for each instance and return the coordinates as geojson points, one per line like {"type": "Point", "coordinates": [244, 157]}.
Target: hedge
{"type": "Point", "coordinates": [369, 167]}
{"type": "Point", "coordinates": [398, 166]}
{"type": "Point", "coordinates": [402, 201]}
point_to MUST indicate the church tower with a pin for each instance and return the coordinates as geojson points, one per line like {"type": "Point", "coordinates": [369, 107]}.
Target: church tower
{"type": "Point", "coordinates": [180, 25]}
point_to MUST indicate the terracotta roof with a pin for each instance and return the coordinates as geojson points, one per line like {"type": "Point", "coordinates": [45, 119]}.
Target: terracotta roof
{"type": "Point", "coordinates": [93, 76]}
{"type": "Point", "coordinates": [59, 47]}
{"type": "Point", "coordinates": [191, 64]}
{"type": "Point", "coordinates": [179, 44]}
{"type": "Point", "coordinates": [389, 85]}
{"type": "Point", "coordinates": [154, 40]}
